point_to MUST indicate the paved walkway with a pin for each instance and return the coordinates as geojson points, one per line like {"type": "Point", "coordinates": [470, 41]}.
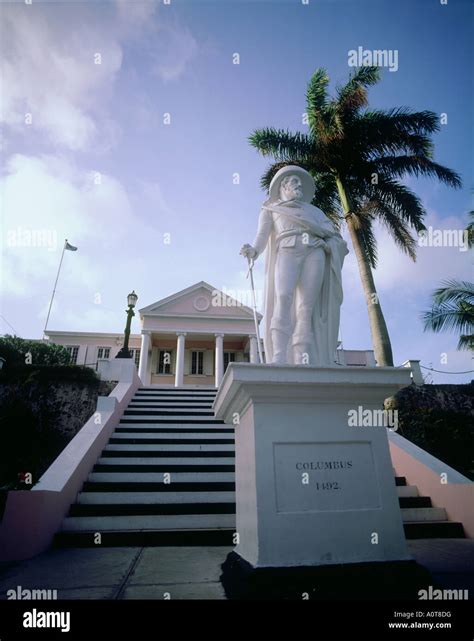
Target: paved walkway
{"type": "Point", "coordinates": [121, 573]}
{"type": "Point", "coordinates": [186, 572]}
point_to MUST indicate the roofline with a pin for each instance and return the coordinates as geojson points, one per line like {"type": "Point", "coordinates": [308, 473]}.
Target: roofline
{"type": "Point", "coordinates": [187, 290]}
{"type": "Point", "coordinates": [98, 334]}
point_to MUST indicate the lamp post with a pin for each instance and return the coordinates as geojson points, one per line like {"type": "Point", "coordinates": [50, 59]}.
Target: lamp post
{"type": "Point", "coordinates": [131, 300]}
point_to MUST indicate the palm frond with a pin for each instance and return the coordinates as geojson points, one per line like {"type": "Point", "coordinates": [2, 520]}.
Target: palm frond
{"type": "Point", "coordinates": [393, 131]}
{"type": "Point", "coordinates": [400, 200]}
{"type": "Point", "coordinates": [363, 219]}
{"type": "Point", "coordinates": [450, 316]}
{"type": "Point", "coordinates": [326, 196]}
{"type": "Point", "coordinates": [470, 230]}
{"type": "Point", "coordinates": [281, 144]}
{"type": "Point", "coordinates": [400, 166]}
{"type": "Point", "coordinates": [453, 291]}
{"type": "Point", "coordinates": [353, 95]}
{"type": "Point", "coordinates": [316, 98]}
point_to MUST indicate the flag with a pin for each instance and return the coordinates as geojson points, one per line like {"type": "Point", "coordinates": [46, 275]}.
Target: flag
{"type": "Point", "coordinates": [70, 247]}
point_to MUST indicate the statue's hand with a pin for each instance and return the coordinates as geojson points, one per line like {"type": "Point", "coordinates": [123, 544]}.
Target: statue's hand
{"type": "Point", "coordinates": [248, 251]}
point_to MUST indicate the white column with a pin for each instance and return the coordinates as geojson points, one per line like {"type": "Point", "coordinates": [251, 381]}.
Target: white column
{"type": "Point", "coordinates": [179, 375]}
{"type": "Point", "coordinates": [219, 358]}
{"type": "Point", "coordinates": [253, 349]}
{"type": "Point", "coordinates": [144, 353]}
{"type": "Point", "coordinates": [416, 375]}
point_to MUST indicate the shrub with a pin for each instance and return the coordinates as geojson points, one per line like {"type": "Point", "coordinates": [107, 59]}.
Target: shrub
{"type": "Point", "coordinates": [447, 435]}
{"type": "Point", "coordinates": [20, 352]}
{"type": "Point", "coordinates": [28, 443]}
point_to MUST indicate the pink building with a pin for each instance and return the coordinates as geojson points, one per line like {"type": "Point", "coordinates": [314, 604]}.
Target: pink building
{"type": "Point", "coordinates": [187, 338]}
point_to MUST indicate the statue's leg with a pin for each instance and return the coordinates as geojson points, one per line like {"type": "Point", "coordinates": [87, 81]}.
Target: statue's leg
{"type": "Point", "coordinates": [307, 292]}
{"type": "Point", "coordinates": [287, 272]}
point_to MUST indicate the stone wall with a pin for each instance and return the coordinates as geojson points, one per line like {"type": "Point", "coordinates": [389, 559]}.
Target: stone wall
{"type": "Point", "coordinates": [439, 419]}
{"type": "Point", "coordinates": [38, 419]}
{"type": "Point", "coordinates": [451, 398]}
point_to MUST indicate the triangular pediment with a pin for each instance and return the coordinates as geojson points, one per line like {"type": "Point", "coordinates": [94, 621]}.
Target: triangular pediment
{"type": "Point", "coordinates": [200, 300]}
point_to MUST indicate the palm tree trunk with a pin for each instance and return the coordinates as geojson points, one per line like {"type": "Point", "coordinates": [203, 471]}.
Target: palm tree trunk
{"type": "Point", "coordinates": [378, 326]}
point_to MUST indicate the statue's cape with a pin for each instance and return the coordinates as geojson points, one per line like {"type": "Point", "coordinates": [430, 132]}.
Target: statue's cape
{"type": "Point", "coordinates": [326, 312]}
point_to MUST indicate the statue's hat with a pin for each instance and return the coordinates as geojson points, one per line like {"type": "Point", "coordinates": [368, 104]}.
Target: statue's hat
{"type": "Point", "coordinates": [307, 182]}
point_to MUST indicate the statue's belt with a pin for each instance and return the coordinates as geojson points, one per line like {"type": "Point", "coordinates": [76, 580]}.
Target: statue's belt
{"type": "Point", "coordinates": [297, 232]}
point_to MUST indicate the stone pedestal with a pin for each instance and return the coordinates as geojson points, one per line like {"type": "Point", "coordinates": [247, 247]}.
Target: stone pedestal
{"type": "Point", "coordinates": [312, 488]}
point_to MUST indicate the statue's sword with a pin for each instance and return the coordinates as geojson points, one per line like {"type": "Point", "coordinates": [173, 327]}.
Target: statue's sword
{"type": "Point", "coordinates": [257, 330]}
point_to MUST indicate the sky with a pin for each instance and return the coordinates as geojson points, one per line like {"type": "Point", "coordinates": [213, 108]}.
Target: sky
{"type": "Point", "coordinates": [125, 129]}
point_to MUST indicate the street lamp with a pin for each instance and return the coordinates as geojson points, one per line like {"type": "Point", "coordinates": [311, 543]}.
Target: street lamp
{"type": "Point", "coordinates": [131, 300]}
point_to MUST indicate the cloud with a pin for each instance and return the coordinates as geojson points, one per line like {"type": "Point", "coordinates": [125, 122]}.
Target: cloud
{"type": "Point", "coordinates": [51, 72]}
{"type": "Point", "coordinates": [47, 199]}
{"type": "Point", "coordinates": [396, 270]}
{"type": "Point", "coordinates": [60, 63]}
{"type": "Point", "coordinates": [173, 50]}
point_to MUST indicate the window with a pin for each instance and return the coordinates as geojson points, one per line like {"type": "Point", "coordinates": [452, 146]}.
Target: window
{"type": "Point", "coordinates": [164, 362]}
{"type": "Point", "coordinates": [136, 356]}
{"type": "Point", "coordinates": [197, 362]}
{"type": "Point", "coordinates": [103, 352]}
{"type": "Point", "coordinates": [229, 357]}
{"type": "Point", "coordinates": [73, 352]}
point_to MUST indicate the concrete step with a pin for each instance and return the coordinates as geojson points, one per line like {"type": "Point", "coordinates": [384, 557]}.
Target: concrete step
{"type": "Point", "coordinates": [160, 487]}
{"type": "Point", "coordinates": [177, 478]}
{"type": "Point", "coordinates": [407, 490]}
{"type": "Point", "coordinates": [434, 530]}
{"type": "Point", "coordinates": [414, 501]}
{"type": "Point", "coordinates": [104, 498]}
{"type": "Point", "coordinates": [170, 454]}
{"type": "Point", "coordinates": [186, 388]}
{"type": "Point", "coordinates": [149, 509]}
{"type": "Point", "coordinates": [173, 447]}
{"type": "Point", "coordinates": [153, 522]}
{"type": "Point", "coordinates": [185, 400]}
{"type": "Point", "coordinates": [176, 420]}
{"type": "Point", "coordinates": [170, 393]}
{"type": "Point", "coordinates": [201, 427]}
{"type": "Point", "coordinates": [165, 465]}
{"type": "Point", "coordinates": [168, 437]}
{"type": "Point", "coordinates": [422, 514]}
{"type": "Point", "coordinates": [174, 461]}
{"type": "Point", "coordinates": [146, 538]}
{"type": "Point", "coordinates": [191, 405]}
{"type": "Point", "coordinates": [175, 413]}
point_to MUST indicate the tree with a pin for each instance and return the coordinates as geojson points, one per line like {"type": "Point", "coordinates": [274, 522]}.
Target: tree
{"type": "Point", "coordinates": [470, 230]}
{"type": "Point", "coordinates": [453, 309]}
{"type": "Point", "coordinates": [357, 157]}
{"type": "Point", "coordinates": [17, 352]}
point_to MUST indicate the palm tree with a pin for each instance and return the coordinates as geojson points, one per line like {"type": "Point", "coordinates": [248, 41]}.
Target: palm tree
{"type": "Point", "coordinates": [470, 230]}
{"type": "Point", "coordinates": [453, 309]}
{"type": "Point", "coordinates": [356, 157]}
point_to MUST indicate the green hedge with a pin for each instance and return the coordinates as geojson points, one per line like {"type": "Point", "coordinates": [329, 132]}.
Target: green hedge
{"type": "Point", "coordinates": [445, 434]}
{"type": "Point", "coordinates": [37, 361]}
{"type": "Point", "coordinates": [49, 374]}
{"type": "Point", "coordinates": [20, 352]}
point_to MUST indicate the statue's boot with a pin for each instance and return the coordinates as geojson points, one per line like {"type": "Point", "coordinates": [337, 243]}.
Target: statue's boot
{"type": "Point", "coordinates": [280, 341]}
{"type": "Point", "coordinates": [303, 345]}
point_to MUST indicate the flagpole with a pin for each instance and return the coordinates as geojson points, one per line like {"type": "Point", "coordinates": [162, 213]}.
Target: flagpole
{"type": "Point", "coordinates": [54, 289]}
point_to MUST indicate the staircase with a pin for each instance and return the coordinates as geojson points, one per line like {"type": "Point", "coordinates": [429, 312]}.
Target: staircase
{"type": "Point", "coordinates": [166, 477]}
{"type": "Point", "coordinates": [420, 519]}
